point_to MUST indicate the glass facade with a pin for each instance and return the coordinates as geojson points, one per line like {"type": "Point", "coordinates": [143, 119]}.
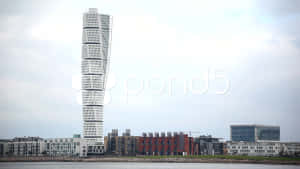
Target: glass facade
{"type": "Point", "coordinates": [253, 133]}
{"type": "Point", "coordinates": [268, 133]}
{"type": "Point", "coordinates": [243, 133]}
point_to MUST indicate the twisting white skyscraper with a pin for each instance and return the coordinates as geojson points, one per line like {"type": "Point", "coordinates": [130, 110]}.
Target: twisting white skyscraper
{"type": "Point", "coordinates": [96, 37]}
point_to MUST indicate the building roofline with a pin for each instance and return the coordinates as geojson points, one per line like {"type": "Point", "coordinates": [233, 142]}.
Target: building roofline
{"type": "Point", "coordinates": [95, 11]}
{"type": "Point", "coordinates": [253, 125]}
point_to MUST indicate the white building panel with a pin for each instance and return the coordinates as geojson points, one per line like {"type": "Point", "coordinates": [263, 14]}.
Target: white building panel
{"type": "Point", "coordinates": [92, 67]}
{"type": "Point", "coordinates": [92, 113]}
{"type": "Point", "coordinates": [92, 97]}
{"type": "Point", "coordinates": [93, 82]}
{"type": "Point", "coordinates": [94, 51]}
{"type": "Point", "coordinates": [95, 36]}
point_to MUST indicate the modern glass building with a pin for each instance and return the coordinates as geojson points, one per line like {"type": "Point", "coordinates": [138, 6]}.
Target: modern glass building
{"type": "Point", "coordinates": [270, 133]}
{"type": "Point", "coordinates": [96, 37]}
{"type": "Point", "coordinates": [254, 133]}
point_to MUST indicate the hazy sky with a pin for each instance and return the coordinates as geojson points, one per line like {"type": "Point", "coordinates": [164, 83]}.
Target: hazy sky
{"type": "Point", "coordinates": [158, 49]}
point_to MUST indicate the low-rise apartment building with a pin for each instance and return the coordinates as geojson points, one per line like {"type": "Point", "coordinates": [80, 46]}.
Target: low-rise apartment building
{"type": "Point", "coordinates": [290, 149]}
{"type": "Point", "coordinates": [253, 148]}
{"type": "Point", "coordinates": [65, 147]}
{"type": "Point", "coordinates": [25, 146]}
{"type": "Point", "coordinates": [36, 146]}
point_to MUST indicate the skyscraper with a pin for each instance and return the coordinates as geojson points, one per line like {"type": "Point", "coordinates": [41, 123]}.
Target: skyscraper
{"type": "Point", "coordinates": [96, 37]}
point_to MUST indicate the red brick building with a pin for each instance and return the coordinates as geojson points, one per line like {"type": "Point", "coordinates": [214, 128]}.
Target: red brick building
{"type": "Point", "coordinates": [176, 144]}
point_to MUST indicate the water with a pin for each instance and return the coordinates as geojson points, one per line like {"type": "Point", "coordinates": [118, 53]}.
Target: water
{"type": "Point", "coordinates": [129, 165]}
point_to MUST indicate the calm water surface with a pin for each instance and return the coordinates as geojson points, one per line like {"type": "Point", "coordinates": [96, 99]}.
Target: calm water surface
{"type": "Point", "coordinates": [108, 165]}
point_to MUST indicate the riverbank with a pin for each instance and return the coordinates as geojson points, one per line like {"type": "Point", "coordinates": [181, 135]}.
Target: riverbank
{"type": "Point", "coordinates": [164, 159]}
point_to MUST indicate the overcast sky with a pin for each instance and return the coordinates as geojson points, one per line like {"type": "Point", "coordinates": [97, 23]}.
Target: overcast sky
{"type": "Point", "coordinates": [249, 49]}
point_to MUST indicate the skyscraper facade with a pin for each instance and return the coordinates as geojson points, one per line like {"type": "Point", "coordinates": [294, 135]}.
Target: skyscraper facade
{"type": "Point", "coordinates": [96, 37]}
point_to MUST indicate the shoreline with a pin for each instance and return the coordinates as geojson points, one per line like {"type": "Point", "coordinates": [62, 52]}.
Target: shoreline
{"type": "Point", "coordinates": [145, 160]}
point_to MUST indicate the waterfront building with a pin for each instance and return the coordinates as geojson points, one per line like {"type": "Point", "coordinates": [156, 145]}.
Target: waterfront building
{"type": "Point", "coordinates": [254, 133]}
{"type": "Point", "coordinates": [96, 37]}
{"type": "Point", "coordinates": [120, 145]}
{"type": "Point", "coordinates": [155, 144]}
{"type": "Point", "coordinates": [253, 148]}
{"type": "Point", "coordinates": [75, 146]}
{"type": "Point", "coordinates": [290, 149]}
{"type": "Point", "coordinates": [36, 146]}
{"type": "Point", "coordinates": [208, 145]}
{"type": "Point", "coordinates": [25, 146]}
